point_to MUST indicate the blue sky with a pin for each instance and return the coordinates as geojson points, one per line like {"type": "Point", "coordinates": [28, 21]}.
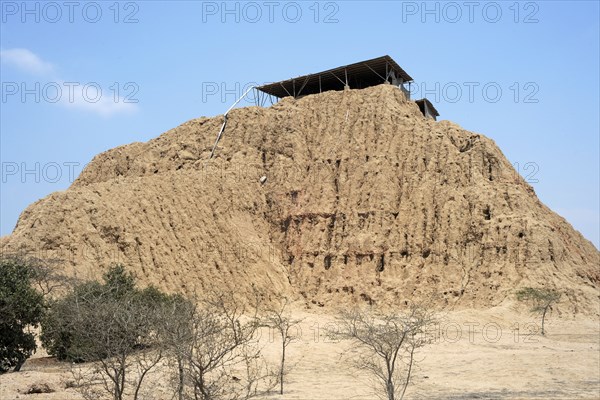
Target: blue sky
{"type": "Point", "coordinates": [525, 74]}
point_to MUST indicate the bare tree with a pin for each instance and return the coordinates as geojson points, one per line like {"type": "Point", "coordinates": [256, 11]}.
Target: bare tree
{"type": "Point", "coordinates": [49, 278]}
{"type": "Point", "coordinates": [124, 333]}
{"type": "Point", "coordinates": [224, 360]}
{"type": "Point", "coordinates": [389, 342]}
{"type": "Point", "coordinates": [115, 327]}
{"type": "Point", "coordinates": [541, 298]}
{"type": "Point", "coordinates": [176, 333]}
{"type": "Point", "coordinates": [280, 320]}
{"type": "Point", "coordinates": [124, 349]}
{"type": "Point", "coordinates": [46, 272]}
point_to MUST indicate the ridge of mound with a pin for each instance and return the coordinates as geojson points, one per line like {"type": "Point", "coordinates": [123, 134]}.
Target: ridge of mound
{"type": "Point", "coordinates": [365, 200]}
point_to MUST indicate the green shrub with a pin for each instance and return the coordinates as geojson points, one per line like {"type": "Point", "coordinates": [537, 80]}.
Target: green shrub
{"type": "Point", "coordinates": [21, 307]}
{"type": "Point", "coordinates": [99, 320]}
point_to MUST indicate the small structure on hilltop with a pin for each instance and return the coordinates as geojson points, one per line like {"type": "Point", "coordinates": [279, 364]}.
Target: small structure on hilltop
{"type": "Point", "coordinates": [359, 75]}
{"type": "Point", "coordinates": [427, 109]}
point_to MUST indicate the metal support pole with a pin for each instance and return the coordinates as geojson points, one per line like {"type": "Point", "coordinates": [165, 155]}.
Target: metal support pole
{"type": "Point", "coordinates": [386, 71]}
{"type": "Point", "coordinates": [225, 122]}
{"type": "Point", "coordinates": [346, 74]}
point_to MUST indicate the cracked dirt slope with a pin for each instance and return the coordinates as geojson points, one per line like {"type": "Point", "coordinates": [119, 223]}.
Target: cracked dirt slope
{"type": "Point", "coordinates": [365, 200]}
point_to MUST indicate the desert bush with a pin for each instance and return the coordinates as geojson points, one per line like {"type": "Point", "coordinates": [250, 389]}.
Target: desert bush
{"type": "Point", "coordinates": [541, 299]}
{"type": "Point", "coordinates": [69, 327]}
{"type": "Point", "coordinates": [223, 359]}
{"type": "Point", "coordinates": [388, 341]}
{"type": "Point", "coordinates": [209, 347]}
{"type": "Point", "coordinates": [113, 324]}
{"type": "Point", "coordinates": [281, 321]}
{"type": "Point", "coordinates": [175, 330]}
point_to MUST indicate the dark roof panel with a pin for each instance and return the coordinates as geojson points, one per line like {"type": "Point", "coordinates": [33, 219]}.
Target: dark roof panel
{"type": "Point", "coordinates": [360, 75]}
{"type": "Point", "coordinates": [430, 106]}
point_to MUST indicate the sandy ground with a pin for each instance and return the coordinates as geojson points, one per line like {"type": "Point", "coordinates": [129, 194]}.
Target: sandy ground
{"type": "Point", "coordinates": [476, 355]}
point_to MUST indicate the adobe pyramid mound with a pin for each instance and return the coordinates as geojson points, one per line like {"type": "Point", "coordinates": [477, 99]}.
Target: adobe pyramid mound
{"type": "Point", "coordinates": [365, 200]}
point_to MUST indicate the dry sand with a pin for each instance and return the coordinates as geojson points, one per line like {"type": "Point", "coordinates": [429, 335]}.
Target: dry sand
{"type": "Point", "coordinates": [478, 355]}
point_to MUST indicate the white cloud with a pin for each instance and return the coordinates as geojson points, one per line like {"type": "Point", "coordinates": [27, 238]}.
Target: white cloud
{"type": "Point", "coordinates": [71, 95]}
{"type": "Point", "coordinates": [105, 106]}
{"type": "Point", "coordinates": [26, 60]}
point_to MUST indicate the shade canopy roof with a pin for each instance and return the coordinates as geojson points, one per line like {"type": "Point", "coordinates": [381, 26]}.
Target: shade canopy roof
{"type": "Point", "coordinates": [430, 106]}
{"type": "Point", "coordinates": [358, 76]}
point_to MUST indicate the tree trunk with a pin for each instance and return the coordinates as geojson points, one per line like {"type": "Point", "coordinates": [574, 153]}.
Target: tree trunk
{"type": "Point", "coordinates": [390, 388]}
{"type": "Point", "coordinates": [19, 365]}
{"type": "Point", "coordinates": [180, 383]}
{"type": "Point", "coordinates": [409, 372]}
{"type": "Point", "coordinates": [282, 369]}
{"type": "Point", "coordinates": [543, 319]}
{"type": "Point", "coordinates": [389, 385]}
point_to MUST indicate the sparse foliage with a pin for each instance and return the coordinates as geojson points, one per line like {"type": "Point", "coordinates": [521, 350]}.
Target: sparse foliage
{"type": "Point", "coordinates": [388, 341]}
{"type": "Point", "coordinates": [47, 276]}
{"type": "Point", "coordinates": [541, 299]}
{"type": "Point", "coordinates": [223, 359]}
{"type": "Point", "coordinates": [175, 329]}
{"type": "Point", "coordinates": [281, 321]}
{"type": "Point", "coordinates": [114, 325]}
{"type": "Point", "coordinates": [21, 307]}
{"type": "Point", "coordinates": [70, 325]}
{"type": "Point", "coordinates": [122, 333]}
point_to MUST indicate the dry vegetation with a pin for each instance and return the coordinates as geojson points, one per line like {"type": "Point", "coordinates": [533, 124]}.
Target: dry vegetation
{"type": "Point", "coordinates": [517, 364]}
